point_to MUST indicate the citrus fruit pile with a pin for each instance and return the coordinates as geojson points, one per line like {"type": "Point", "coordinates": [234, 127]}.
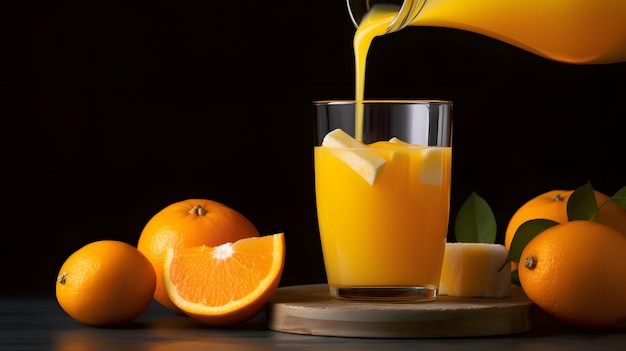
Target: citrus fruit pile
{"type": "Point", "coordinates": [569, 248]}
{"type": "Point", "coordinates": [197, 256]}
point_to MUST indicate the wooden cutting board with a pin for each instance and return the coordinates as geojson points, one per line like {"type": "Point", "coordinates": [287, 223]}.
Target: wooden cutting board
{"type": "Point", "coordinates": [309, 309]}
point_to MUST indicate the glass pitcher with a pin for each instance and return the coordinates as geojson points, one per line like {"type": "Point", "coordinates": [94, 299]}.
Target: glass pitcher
{"type": "Point", "coordinates": [571, 31]}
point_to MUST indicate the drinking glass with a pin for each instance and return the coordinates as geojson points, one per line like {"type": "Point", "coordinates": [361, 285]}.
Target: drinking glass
{"type": "Point", "coordinates": [382, 193]}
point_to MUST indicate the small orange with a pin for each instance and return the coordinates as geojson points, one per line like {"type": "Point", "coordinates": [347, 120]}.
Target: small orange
{"type": "Point", "coordinates": [576, 271]}
{"type": "Point", "coordinates": [105, 282]}
{"type": "Point", "coordinates": [189, 223]}
{"type": "Point", "coordinates": [227, 284]}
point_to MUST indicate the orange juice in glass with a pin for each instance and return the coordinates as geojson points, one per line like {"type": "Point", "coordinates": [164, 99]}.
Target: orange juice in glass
{"type": "Point", "coordinates": [383, 200]}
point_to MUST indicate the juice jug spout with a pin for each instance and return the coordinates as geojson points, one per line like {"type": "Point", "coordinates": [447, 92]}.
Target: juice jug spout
{"type": "Point", "coordinates": [407, 11]}
{"type": "Point", "coordinates": [569, 31]}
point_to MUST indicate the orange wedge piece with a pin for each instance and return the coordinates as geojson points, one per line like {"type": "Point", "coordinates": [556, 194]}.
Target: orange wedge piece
{"type": "Point", "coordinates": [227, 284]}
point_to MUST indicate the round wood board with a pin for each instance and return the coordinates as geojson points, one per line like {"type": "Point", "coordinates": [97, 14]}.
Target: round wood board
{"type": "Point", "coordinates": [309, 309]}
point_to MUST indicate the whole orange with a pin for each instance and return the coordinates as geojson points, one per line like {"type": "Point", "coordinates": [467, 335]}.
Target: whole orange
{"type": "Point", "coordinates": [576, 271]}
{"type": "Point", "coordinates": [553, 205]}
{"type": "Point", "coordinates": [105, 282]}
{"type": "Point", "coordinates": [189, 223]}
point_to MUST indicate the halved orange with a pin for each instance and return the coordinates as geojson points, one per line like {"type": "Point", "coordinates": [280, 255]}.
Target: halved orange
{"type": "Point", "coordinates": [227, 284]}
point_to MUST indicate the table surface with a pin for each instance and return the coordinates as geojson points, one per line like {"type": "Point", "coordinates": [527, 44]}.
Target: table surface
{"type": "Point", "coordinates": [39, 323]}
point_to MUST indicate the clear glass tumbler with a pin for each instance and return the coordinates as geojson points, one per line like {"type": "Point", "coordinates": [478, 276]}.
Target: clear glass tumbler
{"type": "Point", "coordinates": [382, 183]}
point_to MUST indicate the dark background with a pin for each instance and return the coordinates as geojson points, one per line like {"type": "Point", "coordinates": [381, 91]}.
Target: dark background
{"type": "Point", "coordinates": [114, 109]}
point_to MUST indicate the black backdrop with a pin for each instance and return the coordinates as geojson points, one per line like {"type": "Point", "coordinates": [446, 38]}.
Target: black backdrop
{"type": "Point", "coordinates": [114, 109]}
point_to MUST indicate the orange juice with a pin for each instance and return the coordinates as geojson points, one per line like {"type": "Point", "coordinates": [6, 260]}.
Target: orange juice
{"type": "Point", "coordinates": [571, 31]}
{"type": "Point", "coordinates": [374, 24]}
{"type": "Point", "coordinates": [389, 233]}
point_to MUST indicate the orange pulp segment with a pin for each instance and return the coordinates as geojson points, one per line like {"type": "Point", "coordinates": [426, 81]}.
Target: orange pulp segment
{"type": "Point", "coordinates": [227, 284]}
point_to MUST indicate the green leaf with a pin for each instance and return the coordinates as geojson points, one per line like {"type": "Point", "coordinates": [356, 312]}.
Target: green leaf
{"type": "Point", "coordinates": [619, 198]}
{"type": "Point", "coordinates": [524, 234]}
{"type": "Point", "coordinates": [582, 204]}
{"type": "Point", "coordinates": [475, 221]}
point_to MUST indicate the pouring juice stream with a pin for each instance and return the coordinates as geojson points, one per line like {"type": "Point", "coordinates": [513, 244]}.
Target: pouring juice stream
{"type": "Point", "coordinates": [374, 24]}
{"type": "Point", "coordinates": [383, 234]}
{"type": "Point", "coordinates": [569, 31]}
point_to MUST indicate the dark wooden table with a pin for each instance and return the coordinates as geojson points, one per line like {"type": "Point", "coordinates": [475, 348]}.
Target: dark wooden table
{"type": "Point", "coordinates": [38, 323]}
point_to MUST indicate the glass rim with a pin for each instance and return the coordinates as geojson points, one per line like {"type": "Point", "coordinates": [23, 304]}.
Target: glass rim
{"type": "Point", "coordinates": [382, 101]}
